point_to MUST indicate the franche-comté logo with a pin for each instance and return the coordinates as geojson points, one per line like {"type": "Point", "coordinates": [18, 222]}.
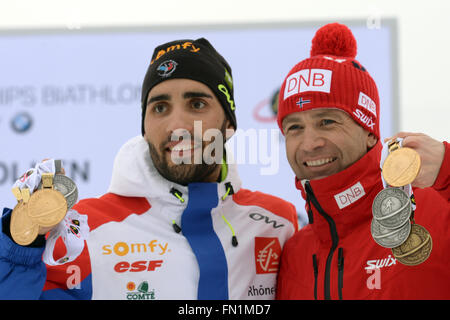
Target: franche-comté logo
{"type": "Point", "coordinates": [140, 292]}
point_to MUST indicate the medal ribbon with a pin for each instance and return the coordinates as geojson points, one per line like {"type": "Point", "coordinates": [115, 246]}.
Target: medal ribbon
{"type": "Point", "coordinates": [419, 252]}
{"type": "Point", "coordinates": [408, 188]}
{"type": "Point", "coordinates": [73, 230]}
{"type": "Point", "coordinates": [32, 177]}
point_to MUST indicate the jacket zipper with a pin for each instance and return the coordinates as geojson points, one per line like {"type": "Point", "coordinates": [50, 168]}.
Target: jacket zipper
{"type": "Point", "coordinates": [340, 272]}
{"type": "Point", "coordinates": [334, 239]}
{"type": "Point", "coordinates": [316, 273]}
{"type": "Point", "coordinates": [310, 213]}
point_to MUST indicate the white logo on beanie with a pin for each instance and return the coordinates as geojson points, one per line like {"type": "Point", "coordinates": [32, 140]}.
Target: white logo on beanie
{"type": "Point", "coordinates": [367, 103]}
{"type": "Point", "coordinates": [365, 119]}
{"type": "Point", "coordinates": [308, 80]}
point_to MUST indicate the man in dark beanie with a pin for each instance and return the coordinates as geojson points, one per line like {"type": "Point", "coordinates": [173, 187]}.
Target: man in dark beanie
{"type": "Point", "coordinates": [378, 214]}
{"type": "Point", "coordinates": [196, 60]}
{"type": "Point", "coordinates": [174, 224]}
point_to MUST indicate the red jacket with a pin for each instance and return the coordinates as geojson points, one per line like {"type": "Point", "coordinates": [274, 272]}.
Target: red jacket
{"type": "Point", "coordinates": [334, 256]}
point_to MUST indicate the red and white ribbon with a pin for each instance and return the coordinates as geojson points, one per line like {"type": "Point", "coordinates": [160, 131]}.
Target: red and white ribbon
{"type": "Point", "coordinates": [73, 230]}
{"type": "Point", "coordinates": [384, 153]}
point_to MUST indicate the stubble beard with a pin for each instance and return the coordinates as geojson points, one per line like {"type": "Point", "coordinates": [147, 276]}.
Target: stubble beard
{"type": "Point", "coordinates": [183, 173]}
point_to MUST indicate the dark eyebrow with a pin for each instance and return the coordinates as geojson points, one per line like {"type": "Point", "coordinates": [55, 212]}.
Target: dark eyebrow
{"type": "Point", "coordinates": [196, 94]}
{"type": "Point", "coordinates": [186, 95]}
{"type": "Point", "coordinates": [160, 97]}
{"type": "Point", "coordinates": [328, 113]}
{"type": "Point", "coordinates": [291, 119]}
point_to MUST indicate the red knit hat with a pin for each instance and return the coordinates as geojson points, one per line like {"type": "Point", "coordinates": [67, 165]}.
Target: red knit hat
{"type": "Point", "coordinates": [332, 78]}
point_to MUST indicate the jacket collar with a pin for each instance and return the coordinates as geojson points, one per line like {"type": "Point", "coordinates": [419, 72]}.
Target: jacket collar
{"type": "Point", "coordinates": [134, 175]}
{"type": "Point", "coordinates": [347, 196]}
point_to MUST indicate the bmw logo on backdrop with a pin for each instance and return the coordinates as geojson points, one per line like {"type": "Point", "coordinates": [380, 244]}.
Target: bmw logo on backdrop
{"type": "Point", "coordinates": [21, 122]}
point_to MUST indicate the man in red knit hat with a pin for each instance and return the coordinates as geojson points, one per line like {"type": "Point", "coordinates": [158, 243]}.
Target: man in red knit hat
{"type": "Point", "coordinates": [364, 240]}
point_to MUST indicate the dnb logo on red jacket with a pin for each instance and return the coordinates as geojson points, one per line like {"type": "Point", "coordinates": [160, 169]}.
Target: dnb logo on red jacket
{"type": "Point", "coordinates": [267, 255]}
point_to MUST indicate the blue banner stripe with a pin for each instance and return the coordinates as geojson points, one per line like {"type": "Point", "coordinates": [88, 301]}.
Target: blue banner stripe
{"type": "Point", "coordinates": [197, 227]}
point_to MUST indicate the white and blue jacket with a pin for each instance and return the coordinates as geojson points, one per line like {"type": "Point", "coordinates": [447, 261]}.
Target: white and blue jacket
{"type": "Point", "coordinates": [154, 239]}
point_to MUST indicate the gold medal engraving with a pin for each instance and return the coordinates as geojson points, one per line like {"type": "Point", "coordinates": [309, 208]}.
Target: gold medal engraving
{"type": "Point", "coordinates": [401, 166]}
{"type": "Point", "coordinates": [47, 207]}
{"type": "Point", "coordinates": [23, 229]}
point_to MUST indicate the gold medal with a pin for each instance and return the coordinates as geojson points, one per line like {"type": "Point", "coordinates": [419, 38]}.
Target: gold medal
{"type": "Point", "coordinates": [47, 207]}
{"type": "Point", "coordinates": [417, 247]}
{"type": "Point", "coordinates": [23, 229]}
{"type": "Point", "coordinates": [401, 165]}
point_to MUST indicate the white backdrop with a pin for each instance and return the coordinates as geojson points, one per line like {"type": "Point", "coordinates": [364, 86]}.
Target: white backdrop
{"type": "Point", "coordinates": [76, 95]}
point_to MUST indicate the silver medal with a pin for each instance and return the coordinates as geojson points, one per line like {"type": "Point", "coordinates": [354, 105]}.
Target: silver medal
{"type": "Point", "coordinates": [389, 238]}
{"type": "Point", "coordinates": [67, 187]}
{"type": "Point", "coordinates": [391, 208]}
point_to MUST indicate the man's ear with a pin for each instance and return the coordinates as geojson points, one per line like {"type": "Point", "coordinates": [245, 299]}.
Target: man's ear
{"type": "Point", "coordinates": [229, 131]}
{"type": "Point", "coordinates": [371, 140]}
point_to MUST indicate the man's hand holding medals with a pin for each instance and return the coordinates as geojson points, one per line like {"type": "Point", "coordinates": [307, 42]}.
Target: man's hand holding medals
{"type": "Point", "coordinates": [393, 224]}
{"type": "Point", "coordinates": [45, 197]}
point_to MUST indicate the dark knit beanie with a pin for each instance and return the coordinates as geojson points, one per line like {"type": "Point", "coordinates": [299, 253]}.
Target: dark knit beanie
{"type": "Point", "coordinates": [195, 60]}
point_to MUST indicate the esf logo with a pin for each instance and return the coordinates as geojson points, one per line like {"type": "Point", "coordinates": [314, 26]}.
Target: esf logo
{"type": "Point", "coordinates": [137, 266]}
{"type": "Point", "coordinates": [21, 122]}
